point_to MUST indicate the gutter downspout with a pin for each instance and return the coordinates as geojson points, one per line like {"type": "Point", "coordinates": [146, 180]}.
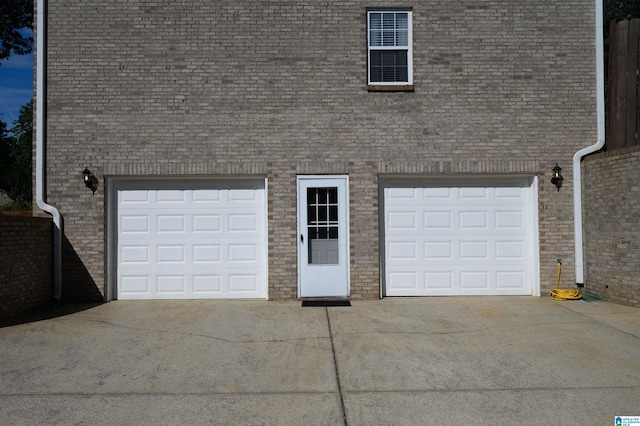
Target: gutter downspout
{"type": "Point", "coordinates": [577, 157]}
{"type": "Point", "coordinates": [40, 145]}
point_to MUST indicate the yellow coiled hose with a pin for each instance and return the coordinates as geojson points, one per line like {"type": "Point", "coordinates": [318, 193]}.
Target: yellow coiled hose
{"type": "Point", "coordinates": [564, 293]}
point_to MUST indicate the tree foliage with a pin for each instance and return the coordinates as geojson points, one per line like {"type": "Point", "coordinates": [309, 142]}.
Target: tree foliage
{"type": "Point", "coordinates": [621, 10]}
{"type": "Point", "coordinates": [16, 156]}
{"type": "Point", "coordinates": [5, 162]}
{"type": "Point", "coordinates": [15, 15]}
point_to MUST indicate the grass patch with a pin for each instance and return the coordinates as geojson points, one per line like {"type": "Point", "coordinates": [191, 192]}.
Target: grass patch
{"type": "Point", "coordinates": [16, 208]}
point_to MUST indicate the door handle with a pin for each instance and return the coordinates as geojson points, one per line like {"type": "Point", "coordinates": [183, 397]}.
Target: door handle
{"type": "Point", "coordinates": [301, 239]}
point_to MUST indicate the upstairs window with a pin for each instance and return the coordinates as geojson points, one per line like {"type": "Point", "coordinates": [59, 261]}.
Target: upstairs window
{"type": "Point", "coordinates": [389, 50]}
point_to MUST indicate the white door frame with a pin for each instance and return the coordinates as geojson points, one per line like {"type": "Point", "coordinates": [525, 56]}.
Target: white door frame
{"type": "Point", "coordinates": [338, 282]}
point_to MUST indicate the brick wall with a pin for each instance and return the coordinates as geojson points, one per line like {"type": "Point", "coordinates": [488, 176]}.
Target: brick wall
{"type": "Point", "coordinates": [611, 191]}
{"type": "Point", "coordinates": [25, 263]}
{"type": "Point", "coordinates": [278, 88]}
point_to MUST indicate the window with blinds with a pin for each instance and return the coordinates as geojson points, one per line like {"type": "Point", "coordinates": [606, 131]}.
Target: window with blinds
{"type": "Point", "coordinates": [389, 41]}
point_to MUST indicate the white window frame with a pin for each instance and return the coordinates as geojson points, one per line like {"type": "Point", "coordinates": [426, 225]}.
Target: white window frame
{"type": "Point", "coordinates": [408, 48]}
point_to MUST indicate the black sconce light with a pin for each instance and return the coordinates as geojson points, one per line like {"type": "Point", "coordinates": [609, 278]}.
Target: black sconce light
{"type": "Point", "coordinates": [557, 177]}
{"type": "Point", "coordinates": [90, 180]}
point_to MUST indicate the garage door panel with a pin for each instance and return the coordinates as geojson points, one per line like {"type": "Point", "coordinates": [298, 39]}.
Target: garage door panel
{"type": "Point", "coordinates": [510, 219]}
{"type": "Point", "coordinates": [403, 194]}
{"type": "Point", "coordinates": [403, 250]}
{"type": "Point", "coordinates": [205, 223]}
{"type": "Point", "coordinates": [403, 280]}
{"type": "Point", "coordinates": [510, 250]}
{"type": "Point", "coordinates": [474, 193]}
{"type": "Point", "coordinates": [134, 254]}
{"type": "Point", "coordinates": [247, 197]}
{"type": "Point", "coordinates": [438, 250]}
{"type": "Point", "coordinates": [402, 220]}
{"type": "Point", "coordinates": [170, 254]}
{"type": "Point", "coordinates": [438, 220]}
{"type": "Point", "coordinates": [438, 193]}
{"type": "Point", "coordinates": [243, 222]}
{"type": "Point", "coordinates": [204, 196]}
{"type": "Point", "coordinates": [171, 197]}
{"type": "Point", "coordinates": [134, 224]}
{"type": "Point", "coordinates": [240, 283]}
{"type": "Point", "coordinates": [439, 280]}
{"type": "Point", "coordinates": [466, 237]}
{"type": "Point", "coordinates": [170, 223]}
{"type": "Point", "coordinates": [133, 198]}
{"type": "Point", "coordinates": [206, 253]}
{"type": "Point", "coordinates": [510, 279]}
{"type": "Point", "coordinates": [474, 280]}
{"type": "Point", "coordinates": [168, 284]}
{"type": "Point", "coordinates": [511, 194]}
{"type": "Point", "coordinates": [192, 243]}
{"type": "Point", "coordinates": [136, 285]}
{"type": "Point", "coordinates": [207, 284]}
{"type": "Point", "coordinates": [473, 219]}
{"type": "Point", "coordinates": [243, 253]}
{"type": "Point", "coordinates": [474, 250]}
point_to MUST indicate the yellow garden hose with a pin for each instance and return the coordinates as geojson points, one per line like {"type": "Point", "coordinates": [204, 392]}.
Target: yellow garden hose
{"type": "Point", "coordinates": [564, 293]}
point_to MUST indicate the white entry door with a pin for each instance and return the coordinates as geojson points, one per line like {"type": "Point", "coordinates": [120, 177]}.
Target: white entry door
{"type": "Point", "coordinates": [323, 256]}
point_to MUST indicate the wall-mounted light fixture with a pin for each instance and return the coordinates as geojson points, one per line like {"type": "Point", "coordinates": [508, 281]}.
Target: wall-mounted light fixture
{"type": "Point", "coordinates": [90, 180]}
{"type": "Point", "coordinates": [557, 177]}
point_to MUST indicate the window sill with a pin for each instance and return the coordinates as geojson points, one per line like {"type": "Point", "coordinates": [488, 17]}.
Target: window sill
{"type": "Point", "coordinates": [390, 87]}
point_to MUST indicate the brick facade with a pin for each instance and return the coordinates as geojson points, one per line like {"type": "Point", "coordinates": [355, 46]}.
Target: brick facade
{"type": "Point", "coordinates": [278, 88]}
{"type": "Point", "coordinates": [611, 193]}
{"type": "Point", "coordinates": [25, 264]}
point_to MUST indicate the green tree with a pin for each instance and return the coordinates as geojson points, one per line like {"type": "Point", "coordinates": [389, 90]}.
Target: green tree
{"type": "Point", "coordinates": [16, 155]}
{"type": "Point", "coordinates": [5, 162]}
{"type": "Point", "coordinates": [15, 15]}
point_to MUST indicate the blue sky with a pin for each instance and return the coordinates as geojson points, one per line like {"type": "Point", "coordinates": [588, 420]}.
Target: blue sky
{"type": "Point", "coordinates": [16, 86]}
{"type": "Point", "coordinates": [16, 83]}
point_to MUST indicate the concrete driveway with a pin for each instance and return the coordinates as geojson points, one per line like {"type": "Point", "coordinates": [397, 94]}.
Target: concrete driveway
{"type": "Point", "coordinates": [397, 361]}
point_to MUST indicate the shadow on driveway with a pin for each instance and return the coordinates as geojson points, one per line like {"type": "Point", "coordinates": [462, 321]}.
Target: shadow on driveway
{"type": "Point", "coordinates": [51, 310]}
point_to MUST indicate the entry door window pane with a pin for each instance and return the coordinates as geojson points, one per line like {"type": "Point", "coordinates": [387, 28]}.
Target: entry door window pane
{"type": "Point", "coordinates": [322, 225]}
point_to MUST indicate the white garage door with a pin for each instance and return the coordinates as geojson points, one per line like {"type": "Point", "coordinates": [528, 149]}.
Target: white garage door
{"type": "Point", "coordinates": [465, 237]}
{"type": "Point", "coordinates": [192, 240]}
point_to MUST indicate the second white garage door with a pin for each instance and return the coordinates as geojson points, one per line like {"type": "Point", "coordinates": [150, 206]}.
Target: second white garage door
{"type": "Point", "coordinates": [460, 237]}
{"type": "Point", "coordinates": [192, 240]}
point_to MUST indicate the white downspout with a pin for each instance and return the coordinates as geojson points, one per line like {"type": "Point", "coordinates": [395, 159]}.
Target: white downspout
{"type": "Point", "coordinates": [577, 157]}
{"type": "Point", "coordinates": [40, 144]}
